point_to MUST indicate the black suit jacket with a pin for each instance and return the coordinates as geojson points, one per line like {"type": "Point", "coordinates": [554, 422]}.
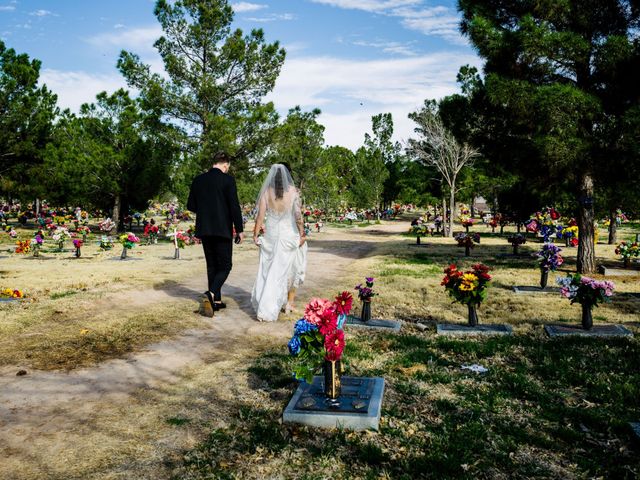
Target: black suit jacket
{"type": "Point", "coordinates": [214, 200]}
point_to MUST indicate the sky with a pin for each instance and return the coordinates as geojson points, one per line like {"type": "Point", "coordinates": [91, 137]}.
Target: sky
{"type": "Point", "coordinates": [352, 59]}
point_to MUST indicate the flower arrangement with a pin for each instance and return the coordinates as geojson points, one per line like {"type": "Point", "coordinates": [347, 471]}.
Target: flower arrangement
{"type": "Point", "coordinates": [38, 241]}
{"type": "Point", "coordinates": [84, 231]}
{"type": "Point", "coordinates": [107, 225]}
{"type": "Point", "coordinates": [627, 250]}
{"type": "Point", "coordinates": [517, 239]}
{"type": "Point", "coordinates": [151, 233]}
{"type": "Point", "coordinates": [105, 243]}
{"type": "Point", "coordinates": [366, 293]}
{"type": "Point", "coordinates": [128, 240]}
{"type": "Point", "coordinates": [467, 240]}
{"type": "Point", "coordinates": [319, 336]}
{"type": "Point", "coordinates": [12, 233]}
{"type": "Point", "coordinates": [570, 234]}
{"type": "Point", "coordinates": [587, 292]}
{"type": "Point", "coordinates": [468, 288]}
{"type": "Point", "coordinates": [9, 293]}
{"type": "Point", "coordinates": [181, 238]}
{"type": "Point", "coordinates": [23, 246]}
{"type": "Point", "coordinates": [467, 222]}
{"type": "Point", "coordinates": [59, 235]}
{"type": "Point", "coordinates": [550, 258]}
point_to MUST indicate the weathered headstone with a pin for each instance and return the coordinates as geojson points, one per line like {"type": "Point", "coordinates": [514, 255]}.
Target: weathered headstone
{"type": "Point", "coordinates": [374, 324]}
{"type": "Point", "coordinates": [357, 408]}
{"type": "Point", "coordinates": [533, 290]}
{"type": "Point", "coordinates": [454, 329]}
{"type": "Point", "coordinates": [618, 272]}
{"type": "Point", "coordinates": [596, 331]}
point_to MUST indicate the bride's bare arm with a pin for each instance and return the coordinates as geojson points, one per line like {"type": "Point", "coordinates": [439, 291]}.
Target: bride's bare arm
{"type": "Point", "coordinates": [297, 212]}
{"type": "Point", "coordinates": [262, 209]}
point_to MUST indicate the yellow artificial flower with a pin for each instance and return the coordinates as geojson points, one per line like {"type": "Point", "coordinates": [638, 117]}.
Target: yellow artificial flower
{"type": "Point", "coordinates": [469, 282]}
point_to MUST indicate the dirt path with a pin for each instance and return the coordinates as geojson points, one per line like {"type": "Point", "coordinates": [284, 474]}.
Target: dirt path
{"type": "Point", "coordinates": [47, 404]}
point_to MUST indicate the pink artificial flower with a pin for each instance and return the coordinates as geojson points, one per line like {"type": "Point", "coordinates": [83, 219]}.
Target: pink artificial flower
{"type": "Point", "coordinates": [314, 310]}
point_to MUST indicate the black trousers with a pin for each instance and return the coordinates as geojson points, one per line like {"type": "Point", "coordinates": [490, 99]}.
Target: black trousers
{"type": "Point", "coordinates": [217, 253]}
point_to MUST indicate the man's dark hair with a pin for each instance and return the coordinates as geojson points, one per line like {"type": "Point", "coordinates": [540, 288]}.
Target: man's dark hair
{"type": "Point", "coordinates": [221, 157]}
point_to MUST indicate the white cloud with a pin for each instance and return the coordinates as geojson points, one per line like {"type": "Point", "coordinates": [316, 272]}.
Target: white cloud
{"type": "Point", "coordinates": [351, 91]}
{"type": "Point", "coordinates": [41, 13]}
{"type": "Point", "coordinates": [439, 20]}
{"type": "Point", "coordinates": [139, 40]}
{"type": "Point", "coordinates": [7, 8]}
{"type": "Point", "coordinates": [242, 7]}
{"type": "Point", "coordinates": [368, 5]}
{"type": "Point", "coordinates": [77, 87]}
{"type": "Point", "coordinates": [272, 17]}
{"type": "Point", "coordinates": [394, 48]}
{"type": "Point", "coordinates": [118, 26]}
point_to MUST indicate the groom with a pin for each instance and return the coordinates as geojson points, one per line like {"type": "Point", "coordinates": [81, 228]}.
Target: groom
{"type": "Point", "coordinates": [214, 200]}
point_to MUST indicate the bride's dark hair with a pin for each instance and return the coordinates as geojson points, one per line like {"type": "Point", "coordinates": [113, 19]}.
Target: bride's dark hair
{"type": "Point", "coordinates": [279, 181]}
{"type": "Point", "coordinates": [279, 187]}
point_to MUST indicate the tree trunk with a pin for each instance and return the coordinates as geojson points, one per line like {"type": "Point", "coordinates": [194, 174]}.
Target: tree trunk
{"type": "Point", "coordinates": [116, 211]}
{"type": "Point", "coordinates": [613, 227]}
{"type": "Point", "coordinates": [586, 215]}
{"type": "Point", "coordinates": [452, 207]}
{"type": "Point", "coordinates": [444, 216]}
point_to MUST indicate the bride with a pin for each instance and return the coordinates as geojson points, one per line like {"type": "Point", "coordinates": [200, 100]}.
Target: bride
{"type": "Point", "coordinates": [283, 249]}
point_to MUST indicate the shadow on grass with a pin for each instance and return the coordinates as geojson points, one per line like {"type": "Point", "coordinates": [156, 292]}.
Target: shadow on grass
{"type": "Point", "coordinates": [567, 401]}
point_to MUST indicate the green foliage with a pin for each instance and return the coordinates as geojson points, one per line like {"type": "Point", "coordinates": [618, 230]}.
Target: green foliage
{"type": "Point", "coordinates": [113, 152]}
{"type": "Point", "coordinates": [26, 115]}
{"type": "Point", "coordinates": [216, 79]}
{"type": "Point", "coordinates": [311, 356]}
{"type": "Point", "coordinates": [558, 89]}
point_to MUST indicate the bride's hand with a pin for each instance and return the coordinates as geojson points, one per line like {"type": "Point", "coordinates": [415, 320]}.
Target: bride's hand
{"type": "Point", "coordinates": [303, 239]}
{"type": "Point", "coordinates": [256, 240]}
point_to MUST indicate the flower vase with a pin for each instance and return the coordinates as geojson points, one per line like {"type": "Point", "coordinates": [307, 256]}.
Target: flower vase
{"type": "Point", "coordinates": [60, 245]}
{"type": "Point", "coordinates": [123, 255]}
{"type": "Point", "coordinates": [627, 262]}
{"type": "Point", "coordinates": [78, 252]}
{"type": "Point", "coordinates": [467, 250]}
{"type": "Point", "coordinates": [332, 379]}
{"type": "Point", "coordinates": [544, 278]}
{"type": "Point", "coordinates": [365, 315]}
{"type": "Point", "coordinates": [566, 241]}
{"type": "Point", "coordinates": [84, 238]}
{"type": "Point", "coordinates": [176, 254]}
{"type": "Point", "coordinates": [36, 251]}
{"type": "Point", "coordinates": [473, 315]}
{"type": "Point", "coordinates": [418, 240]}
{"type": "Point", "coordinates": [587, 319]}
{"type": "Point", "coordinates": [516, 248]}
{"type": "Point", "coordinates": [466, 228]}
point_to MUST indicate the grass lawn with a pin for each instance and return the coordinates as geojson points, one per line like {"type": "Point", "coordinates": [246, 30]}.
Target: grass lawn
{"type": "Point", "coordinates": [547, 408]}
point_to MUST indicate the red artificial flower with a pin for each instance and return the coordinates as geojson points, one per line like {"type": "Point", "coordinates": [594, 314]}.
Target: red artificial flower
{"type": "Point", "coordinates": [147, 227]}
{"type": "Point", "coordinates": [554, 214]}
{"type": "Point", "coordinates": [328, 321]}
{"type": "Point", "coordinates": [334, 345]}
{"type": "Point", "coordinates": [343, 303]}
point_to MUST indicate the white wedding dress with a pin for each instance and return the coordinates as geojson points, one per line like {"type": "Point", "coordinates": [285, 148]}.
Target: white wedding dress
{"type": "Point", "coordinates": [283, 261]}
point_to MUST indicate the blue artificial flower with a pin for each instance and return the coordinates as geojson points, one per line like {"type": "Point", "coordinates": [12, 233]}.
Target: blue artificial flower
{"type": "Point", "coordinates": [294, 345]}
{"type": "Point", "coordinates": [302, 327]}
